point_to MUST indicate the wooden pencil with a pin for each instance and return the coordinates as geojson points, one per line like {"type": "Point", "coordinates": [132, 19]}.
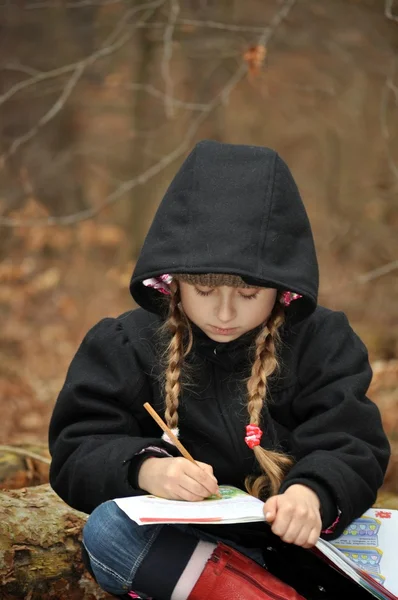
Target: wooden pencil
{"type": "Point", "coordinates": [171, 435]}
{"type": "Point", "coordinates": [168, 431]}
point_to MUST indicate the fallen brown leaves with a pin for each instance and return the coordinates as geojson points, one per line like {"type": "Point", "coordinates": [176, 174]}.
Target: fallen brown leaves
{"type": "Point", "coordinates": [55, 283]}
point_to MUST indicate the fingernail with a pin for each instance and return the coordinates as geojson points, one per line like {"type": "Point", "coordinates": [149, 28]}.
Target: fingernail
{"type": "Point", "coordinates": [267, 516]}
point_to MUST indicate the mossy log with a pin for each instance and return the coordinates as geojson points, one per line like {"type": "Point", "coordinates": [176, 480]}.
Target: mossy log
{"type": "Point", "coordinates": [40, 555]}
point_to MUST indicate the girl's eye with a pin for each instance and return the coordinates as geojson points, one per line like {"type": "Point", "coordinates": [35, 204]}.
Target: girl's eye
{"type": "Point", "coordinates": [201, 293]}
{"type": "Point", "coordinates": [252, 297]}
{"type": "Point", "coordinates": [208, 292]}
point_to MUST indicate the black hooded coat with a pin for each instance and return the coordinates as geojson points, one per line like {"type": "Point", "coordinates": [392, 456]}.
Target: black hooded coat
{"type": "Point", "coordinates": [230, 209]}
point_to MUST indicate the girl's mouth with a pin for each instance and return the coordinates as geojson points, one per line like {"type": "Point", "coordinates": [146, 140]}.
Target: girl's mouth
{"type": "Point", "coordinates": [223, 331]}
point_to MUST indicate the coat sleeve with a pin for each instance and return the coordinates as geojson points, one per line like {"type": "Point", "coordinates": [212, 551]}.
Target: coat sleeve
{"type": "Point", "coordinates": [96, 426]}
{"type": "Point", "coordinates": [340, 447]}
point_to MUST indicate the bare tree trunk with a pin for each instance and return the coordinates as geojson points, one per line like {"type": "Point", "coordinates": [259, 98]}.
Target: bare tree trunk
{"type": "Point", "coordinates": [40, 554]}
{"type": "Point", "coordinates": [137, 208]}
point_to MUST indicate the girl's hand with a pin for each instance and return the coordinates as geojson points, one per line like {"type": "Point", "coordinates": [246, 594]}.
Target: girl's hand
{"type": "Point", "coordinates": [295, 515]}
{"type": "Point", "coordinates": [177, 479]}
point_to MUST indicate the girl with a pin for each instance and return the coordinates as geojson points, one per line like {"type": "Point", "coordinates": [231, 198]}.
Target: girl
{"type": "Point", "coordinates": [266, 389]}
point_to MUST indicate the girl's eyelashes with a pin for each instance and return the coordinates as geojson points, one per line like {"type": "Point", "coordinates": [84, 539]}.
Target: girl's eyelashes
{"type": "Point", "coordinates": [201, 293]}
{"type": "Point", "coordinates": [207, 293]}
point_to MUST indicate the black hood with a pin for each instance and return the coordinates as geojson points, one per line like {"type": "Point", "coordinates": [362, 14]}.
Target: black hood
{"type": "Point", "coordinates": [232, 209]}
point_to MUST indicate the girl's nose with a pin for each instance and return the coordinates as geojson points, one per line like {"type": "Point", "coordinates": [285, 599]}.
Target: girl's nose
{"type": "Point", "coordinates": [225, 310]}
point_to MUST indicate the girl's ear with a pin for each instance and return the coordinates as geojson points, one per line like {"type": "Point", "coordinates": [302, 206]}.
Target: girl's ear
{"type": "Point", "coordinates": [174, 285]}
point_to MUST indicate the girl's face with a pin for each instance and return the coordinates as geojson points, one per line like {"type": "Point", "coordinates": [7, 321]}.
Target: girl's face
{"type": "Point", "coordinates": [225, 313]}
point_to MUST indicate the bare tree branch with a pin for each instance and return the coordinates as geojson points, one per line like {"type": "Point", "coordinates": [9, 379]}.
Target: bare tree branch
{"type": "Point", "coordinates": [40, 76]}
{"type": "Point", "coordinates": [106, 49]}
{"type": "Point", "coordinates": [50, 114]}
{"type": "Point", "coordinates": [391, 86]}
{"type": "Point", "coordinates": [166, 160]}
{"type": "Point", "coordinates": [122, 189]}
{"type": "Point", "coordinates": [222, 26]}
{"type": "Point", "coordinates": [276, 21]}
{"type": "Point", "coordinates": [152, 91]}
{"type": "Point", "coordinates": [21, 68]}
{"type": "Point", "coordinates": [78, 71]}
{"type": "Point", "coordinates": [127, 16]}
{"type": "Point", "coordinates": [379, 272]}
{"type": "Point", "coordinates": [79, 4]}
{"type": "Point", "coordinates": [362, 279]}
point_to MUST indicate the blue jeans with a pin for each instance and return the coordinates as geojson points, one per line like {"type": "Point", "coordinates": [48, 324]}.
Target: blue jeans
{"type": "Point", "coordinates": [116, 546]}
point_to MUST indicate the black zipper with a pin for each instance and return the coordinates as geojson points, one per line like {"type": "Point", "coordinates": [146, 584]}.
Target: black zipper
{"type": "Point", "coordinates": [250, 580]}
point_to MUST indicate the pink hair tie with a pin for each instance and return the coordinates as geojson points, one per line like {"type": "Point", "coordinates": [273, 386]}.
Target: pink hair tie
{"type": "Point", "coordinates": [160, 283]}
{"type": "Point", "coordinates": [253, 436]}
{"type": "Point", "coordinates": [288, 297]}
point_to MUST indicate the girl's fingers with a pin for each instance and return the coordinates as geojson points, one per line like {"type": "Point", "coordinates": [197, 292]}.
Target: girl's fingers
{"type": "Point", "coordinates": [183, 495]}
{"type": "Point", "coordinates": [295, 530]}
{"type": "Point", "coordinates": [284, 517]}
{"type": "Point", "coordinates": [188, 496]}
{"type": "Point", "coordinates": [193, 486]}
{"type": "Point", "coordinates": [206, 467]}
{"type": "Point", "coordinates": [270, 508]}
{"type": "Point", "coordinates": [203, 478]}
{"type": "Point", "coordinates": [303, 534]}
{"type": "Point", "coordinates": [302, 537]}
{"type": "Point", "coordinates": [313, 538]}
{"type": "Point", "coordinates": [279, 527]}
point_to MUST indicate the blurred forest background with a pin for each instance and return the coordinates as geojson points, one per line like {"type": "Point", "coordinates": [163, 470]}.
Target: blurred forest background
{"type": "Point", "coordinates": [101, 100]}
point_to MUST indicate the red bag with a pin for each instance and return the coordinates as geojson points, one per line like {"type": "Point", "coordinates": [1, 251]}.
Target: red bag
{"type": "Point", "coordinates": [229, 574]}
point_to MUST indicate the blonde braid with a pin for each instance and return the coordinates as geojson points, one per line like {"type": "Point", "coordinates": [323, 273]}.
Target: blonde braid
{"type": "Point", "coordinates": [177, 324]}
{"type": "Point", "coordinates": [273, 463]}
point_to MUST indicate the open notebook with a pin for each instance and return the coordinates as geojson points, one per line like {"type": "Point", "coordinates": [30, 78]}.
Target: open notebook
{"type": "Point", "coordinates": [366, 552]}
